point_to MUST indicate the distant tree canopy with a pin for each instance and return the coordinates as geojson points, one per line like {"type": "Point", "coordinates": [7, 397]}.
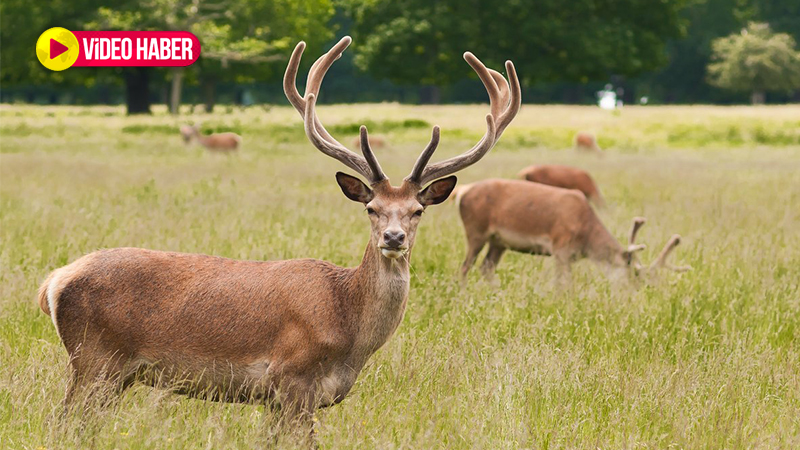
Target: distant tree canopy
{"type": "Point", "coordinates": [270, 27]}
{"type": "Point", "coordinates": [404, 50]}
{"type": "Point", "coordinates": [413, 41]}
{"type": "Point", "coordinates": [242, 40]}
{"type": "Point", "coordinates": [755, 60]}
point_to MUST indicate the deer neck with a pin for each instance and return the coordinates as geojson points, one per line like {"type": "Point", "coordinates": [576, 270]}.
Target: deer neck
{"type": "Point", "coordinates": [603, 247]}
{"type": "Point", "coordinates": [382, 286]}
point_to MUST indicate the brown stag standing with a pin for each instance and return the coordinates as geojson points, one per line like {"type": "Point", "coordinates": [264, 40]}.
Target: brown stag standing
{"type": "Point", "coordinates": [564, 177]}
{"type": "Point", "coordinates": [296, 332]}
{"type": "Point", "coordinates": [542, 220]}
{"type": "Point", "coordinates": [217, 142]}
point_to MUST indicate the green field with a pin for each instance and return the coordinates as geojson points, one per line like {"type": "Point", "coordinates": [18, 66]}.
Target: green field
{"type": "Point", "coordinates": [706, 359]}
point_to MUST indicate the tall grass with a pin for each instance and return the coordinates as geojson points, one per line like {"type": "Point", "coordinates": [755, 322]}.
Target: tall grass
{"type": "Point", "coordinates": [706, 359]}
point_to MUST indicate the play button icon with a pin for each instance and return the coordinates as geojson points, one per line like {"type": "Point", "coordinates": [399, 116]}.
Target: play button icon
{"type": "Point", "coordinates": [57, 48]}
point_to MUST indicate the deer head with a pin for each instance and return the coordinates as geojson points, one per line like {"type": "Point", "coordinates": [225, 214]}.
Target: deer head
{"type": "Point", "coordinates": [395, 211]}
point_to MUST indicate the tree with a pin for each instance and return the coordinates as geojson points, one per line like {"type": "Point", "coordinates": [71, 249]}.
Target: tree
{"type": "Point", "coordinates": [755, 60]}
{"type": "Point", "coordinates": [412, 41]}
{"type": "Point", "coordinates": [21, 23]}
{"type": "Point", "coordinates": [212, 22]}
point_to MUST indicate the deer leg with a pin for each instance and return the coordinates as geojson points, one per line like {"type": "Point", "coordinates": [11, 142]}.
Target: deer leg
{"type": "Point", "coordinates": [563, 268]}
{"type": "Point", "coordinates": [96, 378]}
{"type": "Point", "coordinates": [299, 401]}
{"type": "Point", "coordinates": [474, 247]}
{"type": "Point", "coordinates": [491, 260]}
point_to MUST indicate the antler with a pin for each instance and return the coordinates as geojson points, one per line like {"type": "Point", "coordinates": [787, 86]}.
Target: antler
{"type": "Point", "coordinates": [661, 261]}
{"type": "Point", "coordinates": [505, 98]}
{"type": "Point", "coordinates": [367, 166]}
{"type": "Point", "coordinates": [638, 222]}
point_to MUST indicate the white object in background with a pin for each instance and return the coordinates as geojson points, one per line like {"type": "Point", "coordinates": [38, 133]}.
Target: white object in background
{"type": "Point", "coordinates": [607, 100]}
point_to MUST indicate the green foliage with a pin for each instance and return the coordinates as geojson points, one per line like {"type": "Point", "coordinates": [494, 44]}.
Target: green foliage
{"type": "Point", "coordinates": [755, 60]}
{"type": "Point", "coordinates": [21, 23]}
{"type": "Point", "coordinates": [157, 129]}
{"type": "Point", "coordinates": [418, 41]}
{"type": "Point", "coordinates": [273, 25]}
{"type": "Point", "coordinates": [384, 125]}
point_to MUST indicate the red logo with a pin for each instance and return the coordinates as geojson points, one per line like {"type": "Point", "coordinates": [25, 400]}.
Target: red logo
{"type": "Point", "coordinates": [134, 48]}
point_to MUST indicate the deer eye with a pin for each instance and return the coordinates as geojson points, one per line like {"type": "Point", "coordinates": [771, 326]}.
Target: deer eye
{"type": "Point", "coordinates": [370, 211]}
{"type": "Point", "coordinates": [419, 212]}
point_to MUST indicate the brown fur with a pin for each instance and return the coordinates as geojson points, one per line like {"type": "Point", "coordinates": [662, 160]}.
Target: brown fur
{"type": "Point", "coordinates": [538, 219]}
{"type": "Point", "coordinates": [42, 295]}
{"type": "Point", "coordinates": [374, 141]}
{"type": "Point", "coordinates": [296, 331]}
{"type": "Point", "coordinates": [218, 142]}
{"type": "Point", "coordinates": [564, 177]}
{"type": "Point", "coordinates": [587, 142]}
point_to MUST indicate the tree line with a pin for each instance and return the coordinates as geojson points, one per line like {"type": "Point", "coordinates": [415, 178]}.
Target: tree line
{"type": "Point", "coordinates": [672, 51]}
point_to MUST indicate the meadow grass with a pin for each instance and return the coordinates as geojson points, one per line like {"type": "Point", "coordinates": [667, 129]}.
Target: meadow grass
{"type": "Point", "coordinates": [705, 359]}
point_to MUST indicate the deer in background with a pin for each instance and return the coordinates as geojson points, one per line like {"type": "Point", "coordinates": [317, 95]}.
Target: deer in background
{"type": "Point", "coordinates": [294, 333]}
{"type": "Point", "coordinates": [586, 141]}
{"type": "Point", "coordinates": [217, 142]}
{"type": "Point", "coordinates": [543, 220]}
{"type": "Point", "coordinates": [564, 177]}
{"type": "Point", "coordinates": [374, 141]}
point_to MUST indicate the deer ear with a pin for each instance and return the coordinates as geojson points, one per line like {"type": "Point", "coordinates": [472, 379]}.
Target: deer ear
{"type": "Point", "coordinates": [438, 191]}
{"type": "Point", "coordinates": [354, 188]}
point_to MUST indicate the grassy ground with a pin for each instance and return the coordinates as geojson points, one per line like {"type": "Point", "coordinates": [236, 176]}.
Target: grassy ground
{"type": "Point", "coordinates": [706, 359]}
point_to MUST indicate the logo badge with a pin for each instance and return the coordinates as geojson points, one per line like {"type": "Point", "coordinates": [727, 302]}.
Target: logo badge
{"type": "Point", "coordinates": [57, 49]}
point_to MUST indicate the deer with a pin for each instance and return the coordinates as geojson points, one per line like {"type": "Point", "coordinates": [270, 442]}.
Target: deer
{"type": "Point", "coordinates": [585, 141]}
{"type": "Point", "coordinates": [292, 333]}
{"type": "Point", "coordinates": [374, 141]}
{"type": "Point", "coordinates": [217, 142]}
{"type": "Point", "coordinates": [564, 177]}
{"type": "Point", "coordinates": [544, 220]}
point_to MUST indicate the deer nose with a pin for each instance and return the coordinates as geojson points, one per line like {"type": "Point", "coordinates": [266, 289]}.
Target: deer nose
{"type": "Point", "coordinates": [394, 238]}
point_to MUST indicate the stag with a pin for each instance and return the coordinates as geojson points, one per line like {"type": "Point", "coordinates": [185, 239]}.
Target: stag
{"type": "Point", "coordinates": [543, 220]}
{"type": "Point", "coordinates": [293, 333]}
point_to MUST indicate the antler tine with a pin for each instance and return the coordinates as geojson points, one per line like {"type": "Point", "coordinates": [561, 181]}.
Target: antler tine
{"type": "Point", "coordinates": [372, 162]}
{"type": "Point", "coordinates": [661, 260]}
{"type": "Point", "coordinates": [462, 161]}
{"type": "Point", "coordinates": [315, 131]}
{"type": "Point", "coordinates": [638, 222]}
{"type": "Point", "coordinates": [290, 79]}
{"type": "Point", "coordinates": [339, 153]}
{"type": "Point", "coordinates": [502, 86]}
{"type": "Point", "coordinates": [504, 103]}
{"type": "Point", "coordinates": [515, 103]}
{"type": "Point", "coordinates": [321, 65]}
{"type": "Point", "coordinates": [314, 81]}
{"type": "Point", "coordinates": [489, 82]}
{"type": "Point", "coordinates": [424, 157]}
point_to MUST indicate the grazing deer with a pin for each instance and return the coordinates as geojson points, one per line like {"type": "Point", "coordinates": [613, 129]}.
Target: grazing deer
{"type": "Point", "coordinates": [218, 142]}
{"type": "Point", "coordinates": [294, 333]}
{"type": "Point", "coordinates": [542, 220]}
{"type": "Point", "coordinates": [587, 142]}
{"type": "Point", "coordinates": [374, 141]}
{"type": "Point", "coordinates": [564, 177]}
